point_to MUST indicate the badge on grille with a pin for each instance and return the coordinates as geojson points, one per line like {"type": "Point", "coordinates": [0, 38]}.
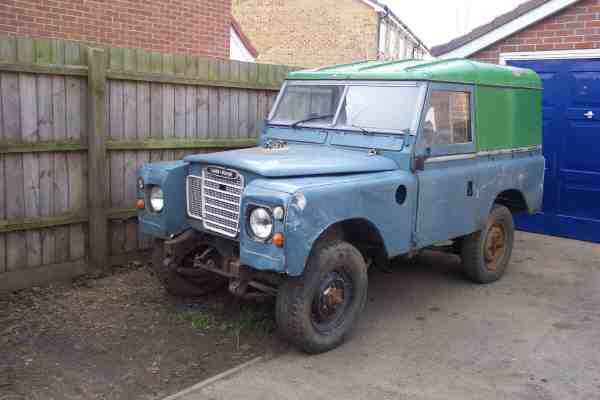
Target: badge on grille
{"type": "Point", "coordinates": [222, 172]}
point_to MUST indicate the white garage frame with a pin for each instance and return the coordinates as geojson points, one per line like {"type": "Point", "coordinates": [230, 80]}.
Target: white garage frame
{"type": "Point", "coordinates": [549, 55]}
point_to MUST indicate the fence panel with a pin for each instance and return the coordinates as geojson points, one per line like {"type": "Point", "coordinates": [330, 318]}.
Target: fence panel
{"type": "Point", "coordinates": [157, 107]}
{"type": "Point", "coordinates": [42, 183]}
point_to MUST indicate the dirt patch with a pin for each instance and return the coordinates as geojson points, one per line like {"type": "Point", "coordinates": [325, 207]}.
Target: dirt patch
{"type": "Point", "coordinates": [122, 337]}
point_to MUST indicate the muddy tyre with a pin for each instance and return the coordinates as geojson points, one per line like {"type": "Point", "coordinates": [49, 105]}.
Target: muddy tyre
{"type": "Point", "coordinates": [486, 253]}
{"type": "Point", "coordinates": [180, 285]}
{"type": "Point", "coordinates": [317, 311]}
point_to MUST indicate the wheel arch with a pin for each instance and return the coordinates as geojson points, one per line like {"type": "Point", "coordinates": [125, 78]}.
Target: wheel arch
{"type": "Point", "coordinates": [359, 232]}
{"type": "Point", "coordinates": [513, 199]}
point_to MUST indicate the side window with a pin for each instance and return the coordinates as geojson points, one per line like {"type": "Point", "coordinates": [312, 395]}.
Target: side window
{"type": "Point", "coordinates": [447, 119]}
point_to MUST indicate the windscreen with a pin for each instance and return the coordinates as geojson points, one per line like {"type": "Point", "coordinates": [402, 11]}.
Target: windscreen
{"type": "Point", "coordinates": [380, 108]}
{"type": "Point", "coordinates": [367, 107]}
{"type": "Point", "coordinates": [300, 102]}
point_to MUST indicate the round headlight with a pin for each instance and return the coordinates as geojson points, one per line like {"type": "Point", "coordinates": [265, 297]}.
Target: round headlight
{"type": "Point", "coordinates": [157, 199]}
{"type": "Point", "coordinates": [261, 223]}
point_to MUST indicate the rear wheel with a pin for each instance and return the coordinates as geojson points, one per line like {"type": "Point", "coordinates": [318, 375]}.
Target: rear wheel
{"type": "Point", "coordinates": [317, 311]}
{"type": "Point", "coordinates": [181, 278]}
{"type": "Point", "coordinates": [486, 253]}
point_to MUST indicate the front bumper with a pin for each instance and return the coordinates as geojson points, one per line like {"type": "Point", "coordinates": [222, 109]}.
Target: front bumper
{"type": "Point", "coordinates": [175, 217]}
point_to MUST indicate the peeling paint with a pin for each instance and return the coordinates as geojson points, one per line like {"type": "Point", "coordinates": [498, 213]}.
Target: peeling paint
{"type": "Point", "coordinates": [299, 201]}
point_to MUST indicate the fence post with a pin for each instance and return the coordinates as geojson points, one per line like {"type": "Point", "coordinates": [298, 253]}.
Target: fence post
{"type": "Point", "coordinates": [97, 190]}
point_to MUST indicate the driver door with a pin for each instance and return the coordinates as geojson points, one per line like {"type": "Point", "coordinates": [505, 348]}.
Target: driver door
{"type": "Point", "coordinates": [448, 180]}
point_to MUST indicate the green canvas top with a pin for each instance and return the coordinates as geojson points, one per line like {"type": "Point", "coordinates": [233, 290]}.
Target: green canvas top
{"type": "Point", "coordinates": [455, 71]}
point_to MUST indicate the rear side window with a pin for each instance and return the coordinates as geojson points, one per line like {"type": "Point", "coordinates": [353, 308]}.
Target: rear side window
{"type": "Point", "coordinates": [447, 119]}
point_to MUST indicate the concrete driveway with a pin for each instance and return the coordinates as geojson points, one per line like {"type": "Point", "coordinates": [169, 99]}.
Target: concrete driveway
{"type": "Point", "coordinates": [429, 334]}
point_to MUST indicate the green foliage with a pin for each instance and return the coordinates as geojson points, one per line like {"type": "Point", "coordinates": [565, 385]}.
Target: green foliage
{"type": "Point", "coordinates": [197, 319]}
{"type": "Point", "coordinates": [256, 318]}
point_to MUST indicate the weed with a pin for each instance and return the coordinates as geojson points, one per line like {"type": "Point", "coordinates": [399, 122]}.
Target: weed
{"type": "Point", "coordinates": [198, 319]}
{"type": "Point", "coordinates": [255, 318]}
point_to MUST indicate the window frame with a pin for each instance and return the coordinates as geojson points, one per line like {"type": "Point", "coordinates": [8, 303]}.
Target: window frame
{"type": "Point", "coordinates": [447, 149]}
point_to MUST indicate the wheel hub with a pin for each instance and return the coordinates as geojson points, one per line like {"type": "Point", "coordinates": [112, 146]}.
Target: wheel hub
{"type": "Point", "coordinates": [331, 299]}
{"type": "Point", "coordinates": [495, 246]}
{"type": "Point", "coordinates": [333, 296]}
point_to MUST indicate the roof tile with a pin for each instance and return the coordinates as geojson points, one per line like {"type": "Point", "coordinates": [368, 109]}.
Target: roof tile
{"type": "Point", "coordinates": [478, 32]}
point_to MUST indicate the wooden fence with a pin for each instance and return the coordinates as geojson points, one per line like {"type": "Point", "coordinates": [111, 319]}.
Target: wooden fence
{"type": "Point", "coordinates": [76, 123]}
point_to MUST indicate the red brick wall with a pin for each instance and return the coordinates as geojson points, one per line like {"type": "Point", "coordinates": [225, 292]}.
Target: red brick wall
{"type": "Point", "coordinates": [197, 27]}
{"type": "Point", "coordinates": [577, 27]}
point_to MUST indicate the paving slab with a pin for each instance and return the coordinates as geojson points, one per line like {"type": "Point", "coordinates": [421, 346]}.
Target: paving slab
{"type": "Point", "coordinates": [427, 333]}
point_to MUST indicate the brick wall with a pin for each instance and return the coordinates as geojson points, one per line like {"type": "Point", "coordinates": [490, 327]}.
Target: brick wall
{"type": "Point", "coordinates": [197, 27]}
{"type": "Point", "coordinates": [577, 27]}
{"type": "Point", "coordinates": [309, 32]}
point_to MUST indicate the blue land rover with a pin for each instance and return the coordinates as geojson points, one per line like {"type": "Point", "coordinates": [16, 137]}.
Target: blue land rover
{"type": "Point", "coordinates": [356, 164]}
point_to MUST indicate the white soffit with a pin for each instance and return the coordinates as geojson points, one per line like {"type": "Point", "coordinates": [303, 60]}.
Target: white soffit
{"type": "Point", "coordinates": [550, 55]}
{"type": "Point", "coordinates": [237, 48]}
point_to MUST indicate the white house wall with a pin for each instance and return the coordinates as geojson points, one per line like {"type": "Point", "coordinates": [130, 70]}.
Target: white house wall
{"type": "Point", "coordinates": [395, 44]}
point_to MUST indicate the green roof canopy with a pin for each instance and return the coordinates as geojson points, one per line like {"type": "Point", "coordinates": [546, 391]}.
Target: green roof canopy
{"type": "Point", "coordinates": [454, 71]}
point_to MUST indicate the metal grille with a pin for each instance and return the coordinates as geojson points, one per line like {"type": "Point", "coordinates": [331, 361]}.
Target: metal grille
{"type": "Point", "coordinates": [194, 196]}
{"type": "Point", "coordinates": [216, 199]}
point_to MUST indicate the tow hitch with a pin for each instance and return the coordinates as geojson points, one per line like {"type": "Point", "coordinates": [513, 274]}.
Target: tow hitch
{"type": "Point", "coordinates": [243, 280]}
{"type": "Point", "coordinates": [198, 256]}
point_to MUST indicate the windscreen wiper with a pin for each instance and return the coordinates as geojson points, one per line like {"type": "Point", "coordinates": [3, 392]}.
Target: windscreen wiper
{"type": "Point", "coordinates": [363, 130]}
{"type": "Point", "coordinates": [313, 118]}
{"type": "Point", "coordinates": [371, 133]}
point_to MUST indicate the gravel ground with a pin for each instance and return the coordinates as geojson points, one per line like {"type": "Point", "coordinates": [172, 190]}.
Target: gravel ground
{"type": "Point", "coordinates": [122, 337]}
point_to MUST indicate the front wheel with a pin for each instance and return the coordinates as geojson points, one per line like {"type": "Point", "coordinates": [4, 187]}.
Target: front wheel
{"type": "Point", "coordinates": [486, 253]}
{"type": "Point", "coordinates": [317, 311]}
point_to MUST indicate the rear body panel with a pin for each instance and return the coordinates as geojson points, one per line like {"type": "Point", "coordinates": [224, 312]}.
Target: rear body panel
{"type": "Point", "coordinates": [508, 118]}
{"type": "Point", "coordinates": [456, 195]}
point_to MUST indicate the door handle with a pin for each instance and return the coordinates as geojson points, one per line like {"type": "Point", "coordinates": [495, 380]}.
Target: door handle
{"type": "Point", "coordinates": [470, 188]}
{"type": "Point", "coordinates": [589, 115]}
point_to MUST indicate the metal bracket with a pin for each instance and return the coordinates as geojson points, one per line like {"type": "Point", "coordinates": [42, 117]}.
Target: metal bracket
{"type": "Point", "coordinates": [414, 240]}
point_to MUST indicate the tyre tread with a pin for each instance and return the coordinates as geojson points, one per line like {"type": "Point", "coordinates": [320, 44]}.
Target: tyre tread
{"type": "Point", "coordinates": [472, 247]}
{"type": "Point", "coordinates": [290, 313]}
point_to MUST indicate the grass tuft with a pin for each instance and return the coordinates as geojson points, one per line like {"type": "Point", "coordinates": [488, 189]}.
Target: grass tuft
{"type": "Point", "coordinates": [197, 319]}
{"type": "Point", "coordinates": [256, 318]}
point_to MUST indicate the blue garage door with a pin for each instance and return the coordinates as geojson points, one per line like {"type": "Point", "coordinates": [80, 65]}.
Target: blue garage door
{"type": "Point", "coordinates": [571, 139]}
